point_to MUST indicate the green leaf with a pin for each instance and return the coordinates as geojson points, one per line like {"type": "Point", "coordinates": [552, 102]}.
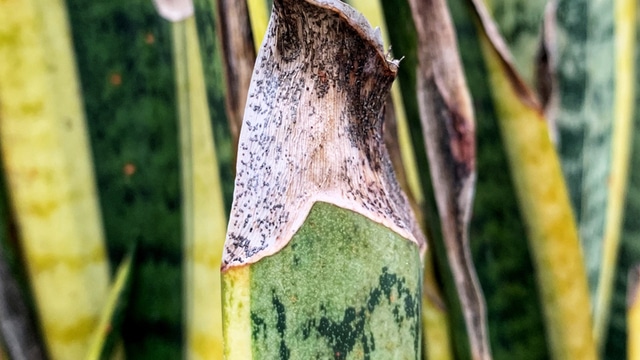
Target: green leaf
{"type": "Point", "coordinates": [125, 59]}
{"type": "Point", "coordinates": [629, 253]}
{"type": "Point", "coordinates": [105, 335]}
{"type": "Point", "coordinates": [543, 199]}
{"type": "Point", "coordinates": [343, 287]}
{"type": "Point", "coordinates": [594, 126]}
{"type": "Point", "coordinates": [47, 162]}
{"type": "Point", "coordinates": [204, 218]}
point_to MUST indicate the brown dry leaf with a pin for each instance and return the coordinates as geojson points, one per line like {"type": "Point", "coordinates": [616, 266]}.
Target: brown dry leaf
{"type": "Point", "coordinates": [312, 131]}
{"type": "Point", "coordinates": [238, 58]}
{"type": "Point", "coordinates": [449, 130]}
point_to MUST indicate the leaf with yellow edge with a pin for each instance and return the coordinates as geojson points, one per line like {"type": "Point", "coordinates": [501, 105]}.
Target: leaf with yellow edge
{"type": "Point", "coordinates": [543, 200]}
{"type": "Point", "coordinates": [595, 42]}
{"type": "Point", "coordinates": [259, 15]}
{"type": "Point", "coordinates": [629, 253]}
{"type": "Point", "coordinates": [111, 319]}
{"type": "Point", "coordinates": [47, 160]}
{"type": "Point", "coordinates": [436, 328]}
{"type": "Point", "coordinates": [621, 144]}
{"type": "Point", "coordinates": [204, 219]}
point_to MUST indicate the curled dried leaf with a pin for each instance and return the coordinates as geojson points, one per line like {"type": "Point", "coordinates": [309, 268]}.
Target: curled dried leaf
{"type": "Point", "coordinates": [449, 130]}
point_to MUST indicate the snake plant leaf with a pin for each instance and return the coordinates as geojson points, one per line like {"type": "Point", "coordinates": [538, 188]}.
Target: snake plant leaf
{"type": "Point", "coordinates": [239, 56]}
{"type": "Point", "coordinates": [204, 217]}
{"type": "Point", "coordinates": [498, 238]}
{"type": "Point", "coordinates": [633, 314]}
{"type": "Point", "coordinates": [344, 287]}
{"type": "Point", "coordinates": [544, 200]}
{"type": "Point", "coordinates": [437, 339]}
{"type": "Point", "coordinates": [124, 52]}
{"type": "Point", "coordinates": [259, 16]}
{"type": "Point", "coordinates": [436, 328]}
{"type": "Point", "coordinates": [618, 176]}
{"type": "Point", "coordinates": [326, 169]}
{"type": "Point", "coordinates": [435, 319]}
{"type": "Point", "coordinates": [520, 23]}
{"type": "Point", "coordinates": [449, 130]}
{"type": "Point", "coordinates": [528, 28]}
{"type": "Point", "coordinates": [322, 256]}
{"type": "Point", "coordinates": [629, 253]}
{"type": "Point", "coordinates": [47, 162]}
{"type": "Point", "coordinates": [594, 119]}
{"type": "Point", "coordinates": [402, 36]}
{"type": "Point", "coordinates": [545, 73]}
{"type": "Point", "coordinates": [213, 72]}
{"type": "Point", "coordinates": [104, 336]}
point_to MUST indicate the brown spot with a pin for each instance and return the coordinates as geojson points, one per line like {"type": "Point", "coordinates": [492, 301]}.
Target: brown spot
{"type": "Point", "coordinates": [129, 169]}
{"type": "Point", "coordinates": [462, 140]}
{"type": "Point", "coordinates": [149, 38]}
{"type": "Point", "coordinates": [322, 76]}
{"type": "Point", "coordinates": [115, 79]}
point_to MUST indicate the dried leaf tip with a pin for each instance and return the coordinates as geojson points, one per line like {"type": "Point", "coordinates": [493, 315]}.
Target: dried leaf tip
{"type": "Point", "coordinates": [496, 41]}
{"type": "Point", "coordinates": [312, 130]}
{"type": "Point", "coordinates": [357, 21]}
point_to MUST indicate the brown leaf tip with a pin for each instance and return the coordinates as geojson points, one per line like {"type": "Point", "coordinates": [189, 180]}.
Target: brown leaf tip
{"type": "Point", "coordinates": [312, 130]}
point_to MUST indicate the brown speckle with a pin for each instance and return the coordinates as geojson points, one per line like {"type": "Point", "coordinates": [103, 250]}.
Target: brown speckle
{"type": "Point", "coordinates": [115, 79]}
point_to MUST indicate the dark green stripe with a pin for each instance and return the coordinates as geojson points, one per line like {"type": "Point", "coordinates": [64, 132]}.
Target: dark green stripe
{"type": "Point", "coordinates": [629, 254]}
{"type": "Point", "coordinates": [210, 49]}
{"type": "Point", "coordinates": [124, 54]}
